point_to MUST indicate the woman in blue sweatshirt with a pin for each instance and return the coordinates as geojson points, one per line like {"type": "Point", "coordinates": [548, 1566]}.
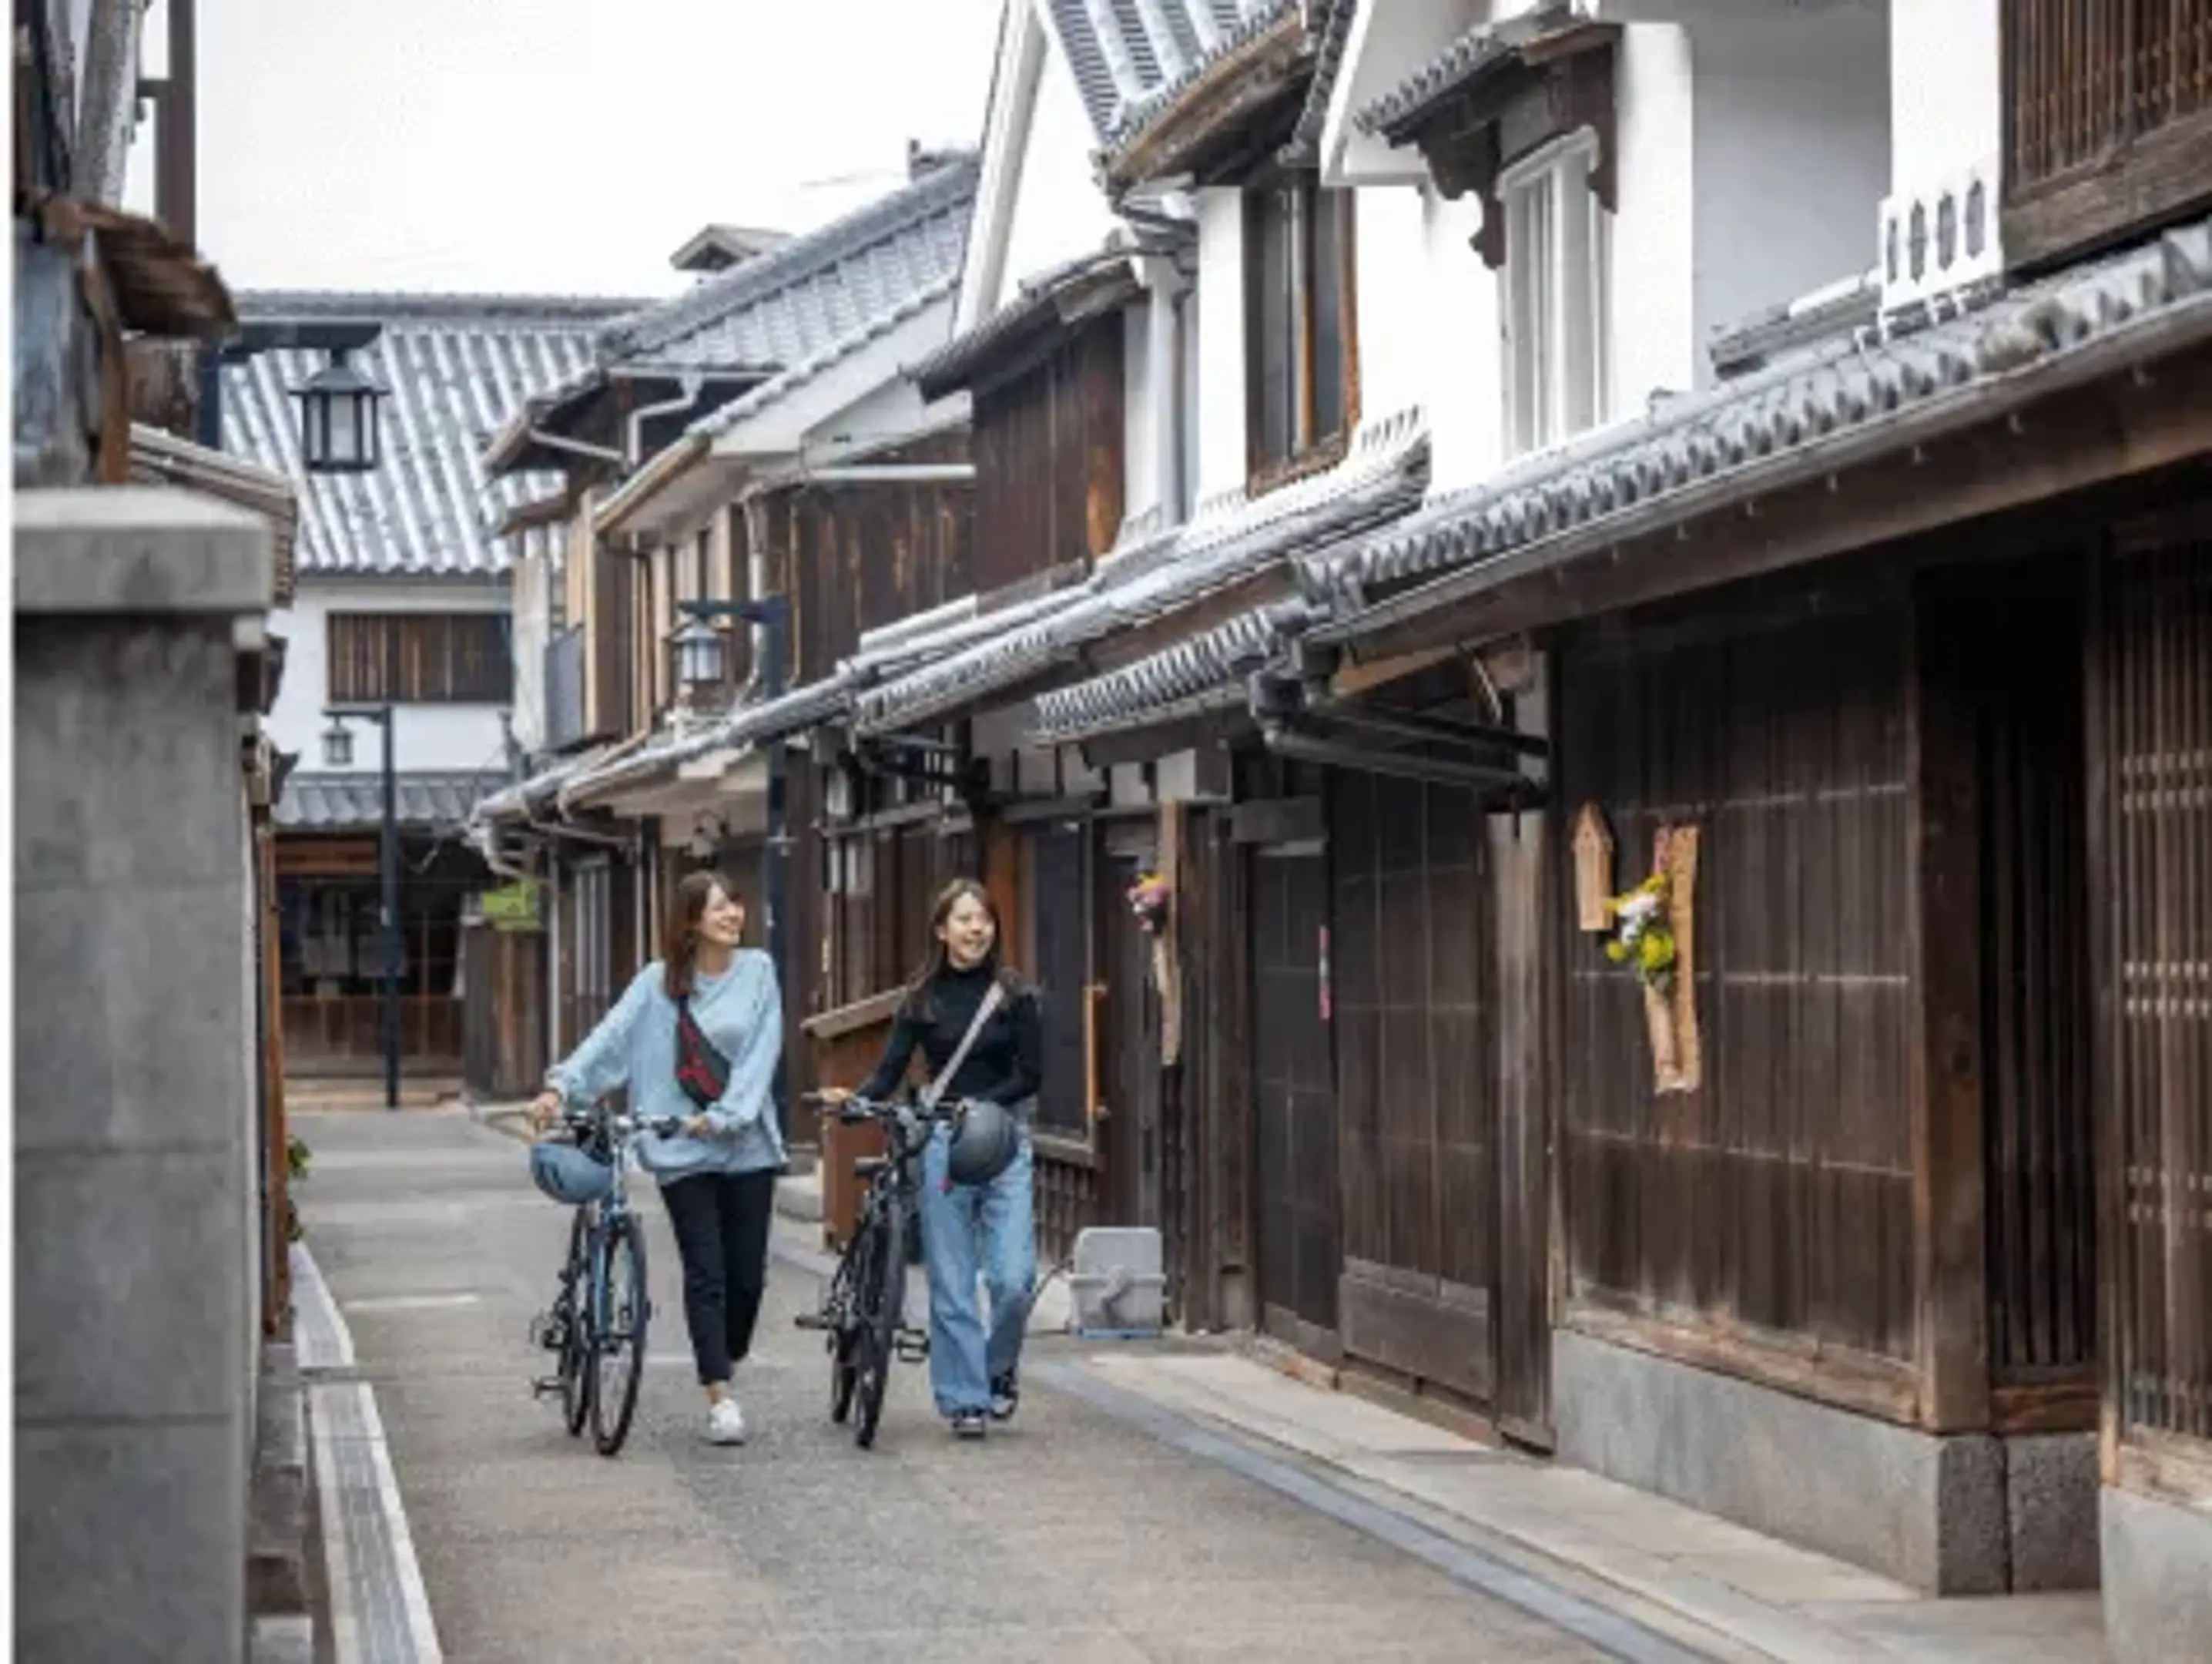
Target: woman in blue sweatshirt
{"type": "Point", "coordinates": [718, 1174]}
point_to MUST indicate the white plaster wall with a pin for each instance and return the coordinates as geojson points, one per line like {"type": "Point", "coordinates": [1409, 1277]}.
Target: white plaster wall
{"type": "Point", "coordinates": [1946, 78]}
{"type": "Point", "coordinates": [1140, 472]}
{"type": "Point", "coordinates": [1058, 211]}
{"type": "Point", "coordinates": [1389, 39]}
{"type": "Point", "coordinates": [1221, 458]}
{"type": "Point", "coordinates": [1653, 341]}
{"type": "Point", "coordinates": [1792, 156]}
{"type": "Point", "coordinates": [430, 737]}
{"type": "Point", "coordinates": [532, 629]}
{"type": "Point", "coordinates": [1391, 287]}
{"type": "Point", "coordinates": [1463, 379]}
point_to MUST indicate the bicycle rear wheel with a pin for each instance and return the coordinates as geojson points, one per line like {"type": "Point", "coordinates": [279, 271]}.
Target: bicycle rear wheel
{"type": "Point", "coordinates": [576, 1373]}
{"type": "Point", "coordinates": [882, 1300]}
{"type": "Point", "coordinates": [844, 1341]}
{"type": "Point", "coordinates": [619, 1336]}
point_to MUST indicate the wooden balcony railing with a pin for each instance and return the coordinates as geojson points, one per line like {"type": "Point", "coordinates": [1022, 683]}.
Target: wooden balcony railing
{"type": "Point", "coordinates": [2108, 112]}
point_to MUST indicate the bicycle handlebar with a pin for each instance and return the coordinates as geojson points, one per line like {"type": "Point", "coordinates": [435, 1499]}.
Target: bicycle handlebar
{"type": "Point", "coordinates": [589, 1116]}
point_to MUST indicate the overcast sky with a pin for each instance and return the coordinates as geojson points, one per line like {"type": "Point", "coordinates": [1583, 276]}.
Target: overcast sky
{"type": "Point", "coordinates": [552, 146]}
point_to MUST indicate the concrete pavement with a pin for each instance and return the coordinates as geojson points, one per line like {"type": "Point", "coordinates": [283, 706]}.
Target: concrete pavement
{"type": "Point", "coordinates": [1079, 1533]}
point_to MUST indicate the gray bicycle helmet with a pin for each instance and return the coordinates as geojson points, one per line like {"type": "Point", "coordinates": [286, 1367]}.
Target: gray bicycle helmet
{"type": "Point", "coordinates": [985, 1137]}
{"type": "Point", "coordinates": [569, 1175]}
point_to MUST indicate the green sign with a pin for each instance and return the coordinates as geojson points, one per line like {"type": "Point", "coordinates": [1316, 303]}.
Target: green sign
{"type": "Point", "coordinates": [512, 907]}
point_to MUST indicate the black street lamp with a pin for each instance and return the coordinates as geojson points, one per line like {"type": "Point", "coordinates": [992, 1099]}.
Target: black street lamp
{"type": "Point", "coordinates": [337, 418]}
{"type": "Point", "coordinates": [773, 615]}
{"type": "Point", "coordinates": [702, 654]}
{"type": "Point", "coordinates": [338, 751]}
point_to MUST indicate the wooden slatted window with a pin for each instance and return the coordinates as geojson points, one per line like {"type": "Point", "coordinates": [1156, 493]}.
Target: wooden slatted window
{"type": "Point", "coordinates": [1301, 374]}
{"type": "Point", "coordinates": [2100, 93]}
{"type": "Point", "coordinates": [2152, 737]}
{"type": "Point", "coordinates": [420, 658]}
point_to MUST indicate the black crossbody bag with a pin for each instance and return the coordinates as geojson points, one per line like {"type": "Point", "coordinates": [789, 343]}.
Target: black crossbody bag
{"type": "Point", "coordinates": [701, 1069]}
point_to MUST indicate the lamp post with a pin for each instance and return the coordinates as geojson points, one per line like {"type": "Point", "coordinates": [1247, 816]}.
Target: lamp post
{"type": "Point", "coordinates": [700, 652]}
{"type": "Point", "coordinates": [338, 751]}
{"type": "Point", "coordinates": [338, 431]}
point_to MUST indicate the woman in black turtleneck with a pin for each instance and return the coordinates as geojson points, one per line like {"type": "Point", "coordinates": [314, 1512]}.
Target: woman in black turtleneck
{"type": "Point", "coordinates": [966, 1228]}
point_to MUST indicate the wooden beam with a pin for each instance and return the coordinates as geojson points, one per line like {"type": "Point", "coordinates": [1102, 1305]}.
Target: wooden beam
{"type": "Point", "coordinates": [2154, 178]}
{"type": "Point", "coordinates": [1949, 1210]}
{"type": "Point", "coordinates": [2066, 441]}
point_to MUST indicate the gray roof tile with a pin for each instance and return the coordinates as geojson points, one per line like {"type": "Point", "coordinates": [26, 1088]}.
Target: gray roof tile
{"type": "Point", "coordinates": [1382, 479]}
{"type": "Point", "coordinates": [1131, 57]}
{"type": "Point", "coordinates": [349, 802]}
{"type": "Point", "coordinates": [2159, 292]}
{"type": "Point", "coordinates": [1190, 675]}
{"type": "Point", "coordinates": [1467, 56]}
{"type": "Point", "coordinates": [792, 307]}
{"type": "Point", "coordinates": [455, 367]}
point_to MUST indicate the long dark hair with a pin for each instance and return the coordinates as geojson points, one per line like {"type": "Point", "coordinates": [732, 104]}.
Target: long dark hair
{"type": "Point", "coordinates": [921, 989]}
{"type": "Point", "coordinates": [679, 930]}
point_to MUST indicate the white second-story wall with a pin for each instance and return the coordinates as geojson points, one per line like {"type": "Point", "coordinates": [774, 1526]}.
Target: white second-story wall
{"type": "Point", "coordinates": [441, 737]}
{"type": "Point", "coordinates": [1222, 460]}
{"type": "Point", "coordinates": [1947, 88]}
{"type": "Point", "coordinates": [534, 585]}
{"type": "Point", "coordinates": [1390, 282]}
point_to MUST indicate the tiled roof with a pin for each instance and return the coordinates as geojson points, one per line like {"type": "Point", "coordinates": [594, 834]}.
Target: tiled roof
{"type": "Point", "coordinates": [1331, 23]}
{"type": "Point", "coordinates": [1072, 291]}
{"type": "Point", "coordinates": [1794, 421]}
{"type": "Point", "coordinates": [455, 367]}
{"type": "Point", "coordinates": [745, 728]}
{"type": "Point", "coordinates": [1468, 55]}
{"type": "Point", "coordinates": [1131, 57]}
{"type": "Point", "coordinates": [349, 802]}
{"type": "Point", "coordinates": [789, 307]}
{"type": "Point", "coordinates": [1193, 674]}
{"type": "Point", "coordinates": [1382, 479]}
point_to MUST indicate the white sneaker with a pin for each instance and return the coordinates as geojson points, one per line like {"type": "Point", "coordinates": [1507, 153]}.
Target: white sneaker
{"type": "Point", "coordinates": [726, 1422]}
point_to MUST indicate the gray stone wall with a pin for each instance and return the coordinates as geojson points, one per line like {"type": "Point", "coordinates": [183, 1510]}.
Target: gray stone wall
{"type": "Point", "coordinates": [135, 1334]}
{"type": "Point", "coordinates": [2158, 1579]}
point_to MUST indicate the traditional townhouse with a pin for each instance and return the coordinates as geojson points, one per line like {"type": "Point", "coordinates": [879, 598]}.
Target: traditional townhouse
{"type": "Point", "coordinates": [1833, 603]}
{"type": "Point", "coordinates": [750, 485]}
{"type": "Point", "coordinates": [400, 600]}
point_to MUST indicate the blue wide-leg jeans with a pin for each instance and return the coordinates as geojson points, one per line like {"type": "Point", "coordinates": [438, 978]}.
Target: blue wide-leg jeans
{"type": "Point", "coordinates": [970, 1231]}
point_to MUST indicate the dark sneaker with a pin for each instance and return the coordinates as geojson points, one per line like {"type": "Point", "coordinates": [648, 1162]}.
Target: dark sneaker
{"type": "Point", "coordinates": [1005, 1397]}
{"type": "Point", "coordinates": [969, 1424]}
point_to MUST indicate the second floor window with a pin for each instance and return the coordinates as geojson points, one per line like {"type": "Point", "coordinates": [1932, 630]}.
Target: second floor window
{"type": "Point", "coordinates": [1555, 295]}
{"type": "Point", "coordinates": [420, 658]}
{"type": "Point", "coordinates": [1301, 381]}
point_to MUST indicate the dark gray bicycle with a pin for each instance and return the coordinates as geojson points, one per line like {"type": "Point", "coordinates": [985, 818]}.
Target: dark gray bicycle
{"type": "Point", "coordinates": [596, 1325]}
{"type": "Point", "coordinates": [863, 1308]}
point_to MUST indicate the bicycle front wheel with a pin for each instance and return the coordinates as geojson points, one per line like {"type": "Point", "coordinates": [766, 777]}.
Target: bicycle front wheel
{"type": "Point", "coordinates": [618, 1338]}
{"type": "Point", "coordinates": [882, 1300]}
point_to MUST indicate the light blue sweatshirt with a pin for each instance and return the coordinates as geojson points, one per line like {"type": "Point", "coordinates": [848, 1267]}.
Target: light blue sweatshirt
{"type": "Point", "coordinates": [635, 1047]}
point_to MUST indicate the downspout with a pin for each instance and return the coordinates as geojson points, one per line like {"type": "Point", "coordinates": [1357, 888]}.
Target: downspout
{"type": "Point", "coordinates": [633, 447]}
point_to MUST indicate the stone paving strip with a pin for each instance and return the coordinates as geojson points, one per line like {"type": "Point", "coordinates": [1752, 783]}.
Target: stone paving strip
{"type": "Point", "coordinates": [380, 1612]}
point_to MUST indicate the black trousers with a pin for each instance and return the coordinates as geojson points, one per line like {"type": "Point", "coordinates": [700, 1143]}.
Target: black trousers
{"type": "Point", "coordinates": [721, 1222]}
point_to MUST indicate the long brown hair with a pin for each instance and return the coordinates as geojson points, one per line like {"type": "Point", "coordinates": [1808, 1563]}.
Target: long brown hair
{"type": "Point", "coordinates": [921, 989]}
{"type": "Point", "coordinates": [679, 930]}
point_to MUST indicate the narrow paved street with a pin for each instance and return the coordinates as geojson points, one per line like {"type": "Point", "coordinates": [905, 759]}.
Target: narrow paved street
{"type": "Point", "coordinates": [1071, 1536]}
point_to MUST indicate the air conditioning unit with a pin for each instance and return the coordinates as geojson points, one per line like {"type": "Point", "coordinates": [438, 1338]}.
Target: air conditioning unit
{"type": "Point", "coordinates": [1941, 239]}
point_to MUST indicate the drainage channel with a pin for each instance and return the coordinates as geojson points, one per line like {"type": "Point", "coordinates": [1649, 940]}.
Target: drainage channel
{"type": "Point", "coordinates": [1620, 1636]}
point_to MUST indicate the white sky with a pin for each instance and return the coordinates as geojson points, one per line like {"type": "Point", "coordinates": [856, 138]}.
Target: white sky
{"type": "Point", "coordinates": [551, 146]}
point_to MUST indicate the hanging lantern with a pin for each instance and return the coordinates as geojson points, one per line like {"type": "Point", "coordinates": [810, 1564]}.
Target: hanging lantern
{"type": "Point", "coordinates": [701, 655]}
{"type": "Point", "coordinates": [338, 745]}
{"type": "Point", "coordinates": [338, 419]}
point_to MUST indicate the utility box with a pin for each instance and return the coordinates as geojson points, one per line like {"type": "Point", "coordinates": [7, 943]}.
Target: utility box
{"type": "Point", "coordinates": [1119, 1289]}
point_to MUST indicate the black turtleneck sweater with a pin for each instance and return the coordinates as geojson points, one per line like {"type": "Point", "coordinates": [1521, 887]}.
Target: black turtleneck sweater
{"type": "Point", "coordinates": [1005, 1063]}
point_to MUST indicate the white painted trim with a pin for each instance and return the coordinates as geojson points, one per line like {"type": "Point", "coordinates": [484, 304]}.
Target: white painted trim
{"type": "Point", "coordinates": [1014, 78]}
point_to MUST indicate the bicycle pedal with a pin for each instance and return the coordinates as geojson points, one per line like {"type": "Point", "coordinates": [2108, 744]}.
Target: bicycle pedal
{"type": "Point", "coordinates": [544, 1386]}
{"type": "Point", "coordinates": [811, 1321]}
{"type": "Point", "coordinates": [911, 1349]}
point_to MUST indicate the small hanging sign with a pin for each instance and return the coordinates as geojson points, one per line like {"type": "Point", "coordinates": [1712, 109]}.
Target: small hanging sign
{"type": "Point", "coordinates": [1325, 1000]}
{"type": "Point", "coordinates": [1593, 848]}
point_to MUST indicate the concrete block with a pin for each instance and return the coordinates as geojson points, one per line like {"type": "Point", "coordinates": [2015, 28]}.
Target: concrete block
{"type": "Point", "coordinates": [116, 1002]}
{"type": "Point", "coordinates": [165, 809]}
{"type": "Point", "coordinates": [142, 550]}
{"type": "Point", "coordinates": [2051, 1496]}
{"type": "Point", "coordinates": [131, 1543]}
{"type": "Point", "coordinates": [1928, 1512]}
{"type": "Point", "coordinates": [126, 1273]}
{"type": "Point", "coordinates": [2157, 1565]}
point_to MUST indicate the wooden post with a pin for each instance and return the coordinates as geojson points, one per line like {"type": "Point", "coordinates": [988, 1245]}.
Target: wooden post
{"type": "Point", "coordinates": [276, 1132]}
{"type": "Point", "coordinates": [1949, 1228]}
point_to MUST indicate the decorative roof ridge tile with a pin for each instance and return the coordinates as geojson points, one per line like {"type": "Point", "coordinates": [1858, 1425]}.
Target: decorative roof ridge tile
{"type": "Point", "coordinates": [429, 306]}
{"type": "Point", "coordinates": [943, 189]}
{"type": "Point", "coordinates": [1334, 35]}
